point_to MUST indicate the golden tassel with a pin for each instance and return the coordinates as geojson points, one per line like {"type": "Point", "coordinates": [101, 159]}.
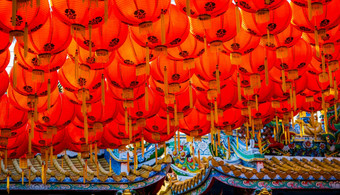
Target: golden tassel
{"type": "Point", "coordinates": [260, 141]}
{"type": "Point", "coordinates": [106, 10]}
{"type": "Point", "coordinates": [336, 112]}
{"type": "Point", "coordinates": [76, 65]}
{"type": "Point", "coordinates": [35, 109]}
{"type": "Point", "coordinates": [275, 133]}
{"type": "Point", "coordinates": [165, 82]}
{"type": "Point", "coordinates": [48, 94]}
{"type": "Point", "coordinates": [190, 94]}
{"type": "Point", "coordinates": [218, 80]}
{"type": "Point", "coordinates": [266, 70]}
{"type": "Point", "coordinates": [218, 137]}
{"type": "Point", "coordinates": [253, 128]}
{"type": "Point", "coordinates": [294, 99]}
{"type": "Point", "coordinates": [6, 158]}
{"type": "Point", "coordinates": [323, 63]}
{"type": "Point", "coordinates": [110, 166]}
{"type": "Point", "coordinates": [216, 111]}
{"type": "Point", "coordinates": [325, 121]}
{"type": "Point", "coordinates": [156, 154]}
{"type": "Point", "coordinates": [167, 122]}
{"type": "Point", "coordinates": [38, 3]}
{"type": "Point", "coordinates": [199, 157]}
{"type": "Point", "coordinates": [126, 121]}
{"type": "Point", "coordinates": [25, 39]}
{"type": "Point", "coordinates": [134, 156]}
{"type": "Point", "coordinates": [142, 140]}
{"type": "Point", "coordinates": [317, 44]}
{"type": "Point", "coordinates": [14, 12]}
{"type": "Point", "coordinates": [85, 171]}
{"type": "Point", "coordinates": [247, 126]}
{"type": "Point", "coordinates": [322, 100]}
{"type": "Point", "coordinates": [187, 9]}
{"type": "Point", "coordinates": [205, 46]}
{"type": "Point", "coordinates": [128, 161]}
{"type": "Point", "coordinates": [7, 185]}
{"type": "Point", "coordinates": [229, 147]}
{"type": "Point", "coordinates": [175, 113]}
{"type": "Point", "coordinates": [216, 152]}
{"type": "Point", "coordinates": [130, 129]}
{"type": "Point", "coordinates": [146, 96]}
{"type": "Point", "coordinates": [212, 121]}
{"type": "Point", "coordinates": [239, 87]}
{"type": "Point", "coordinates": [96, 153]}
{"type": "Point", "coordinates": [179, 141]}
{"type": "Point", "coordinates": [238, 22]}
{"type": "Point", "coordinates": [330, 77]}
{"type": "Point", "coordinates": [22, 177]}
{"type": "Point", "coordinates": [335, 90]}
{"type": "Point", "coordinates": [147, 59]}
{"type": "Point", "coordinates": [249, 113]}
{"type": "Point", "coordinates": [247, 143]}
{"type": "Point", "coordinates": [42, 173]}
{"type": "Point", "coordinates": [284, 86]}
{"type": "Point", "coordinates": [90, 40]}
{"type": "Point", "coordinates": [86, 130]}
{"type": "Point", "coordinates": [309, 9]}
{"type": "Point", "coordinates": [256, 103]}
{"type": "Point", "coordinates": [162, 29]}
{"type": "Point", "coordinates": [277, 122]}
{"type": "Point", "coordinates": [103, 89]}
{"type": "Point", "coordinates": [237, 140]}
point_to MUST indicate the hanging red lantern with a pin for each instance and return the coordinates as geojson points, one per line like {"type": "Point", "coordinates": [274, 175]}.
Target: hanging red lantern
{"type": "Point", "coordinates": [33, 83]}
{"type": "Point", "coordinates": [126, 137]}
{"type": "Point", "coordinates": [73, 78]}
{"type": "Point", "coordinates": [195, 124]}
{"type": "Point", "coordinates": [126, 94]}
{"type": "Point", "coordinates": [104, 39]}
{"type": "Point", "coordinates": [80, 14]}
{"type": "Point", "coordinates": [157, 124]}
{"type": "Point", "coordinates": [109, 141]}
{"type": "Point", "coordinates": [5, 42]}
{"type": "Point", "coordinates": [82, 56]}
{"type": "Point", "coordinates": [287, 38]}
{"type": "Point", "coordinates": [168, 32]}
{"type": "Point", "coordinates": [125, 77]}
{"type": "Point", "coordinates": [324, 36]}
{"type": "Point", "coordinates": [4, 82]}
{"type": "Point", "coordinates": [205, 9]}
{"type": "Point", "coordinates": [45, 140]}
{"type": "Point", "coordinates": [278, 94]}
{"type": "Point", "coordinates": [31, 62]}
{"type": "Point", "coordinates": [223, 30]}
{"type": "Point", "coordinates": [319, 17]}
{"type": "Point", "coordinates": [77, 96]}
{"type": "Point", "coordinates": [310, 106]}
{"type": "Point", "coordinates": [11, 118]}
{"type": "Point", "coordinates": [174, 89]}
{"type": "Point", "coordinates": [16, 146]}
{"type": "Point", "coordinates": [52, 37]}
{"type": "Point", "coordinates": [256, 5]}
{"type": "Point", "coordinates": [231, 119]}
{"type": "Point", "coordinates": [266, 22]}
{"type": "Point", "coordinates": [59, 116]}
{"type": "Point", "coordinates": [4, 59]}
{"type": "Point", "coordinates": [138, 13]}
{"type": "Point", "coordinates": [242, 43]}
{"type": "Point", "coordinates": [190, 49]}
{"type": "Point", "coordinates": [157, 137]}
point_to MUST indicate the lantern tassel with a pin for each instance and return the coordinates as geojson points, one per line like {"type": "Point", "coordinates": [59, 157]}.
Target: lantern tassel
{"type": "Point", "coordinates": [126, 121]}
{"type": "Point", "coordinates": [90, 40]}
{"type": "Point", "coordinates": [175, 113]}
{"type": "Point", "coordinates": [130, 129]}
{"type": "Point", "coordinates": [86, 129]}
{"type": "Point", "coordinates": [253, 128]}
{"type": "Point", "coordinates": [14, 12]}
{"type": "Point", "coordinates": [309, 9]}
{"type": "Point", "coordinates": [48, 94]}
{"type": "Point", "coordinates": [330, 77]}
{"type": "Point", "coordinates": [103, 89]}
{"type": "Point", "coordinates": [106, 10]}
{"type": "Point", "coordinates": [85, 171]}
{"type": "Point", "coordinates": [156, 155]}
{"type": "Point", "coordinates": [134, 156]}
{"type": "Point", "coordinates": [167, 122]}
{"type": "Point", "coordinates": [335, 90]}
{"type": "Point", "coordinates": [43, 173]}
{"type": "Point", "coordinates": [266, 71]}
{"type": "Point", "coordinates": [325, 120]}
{"type": "Point", "coordinates": [165, 82]}
{"type": "Point", "coordinates": [25, 39]}
{"type": "Point", "coordinates": [110, 166]}
{"type": "Point", "coordinates": [316, 37]}
{"type": "Point", "coordinates": [335, 112]}
{"type": "Point", "coordinates": [163, 29]}
{"type": "Point", "coordinates": [128, 161]}
{"type": "Point", "coordinates": [247, 126]}
{"type": "Point", "coordinates": [294, 99]}
{"type": "Point", "coordinates": [187, 9]}
{"type": "Point", "coordinates": [216, 111]}
{"type": "Point", "coordinates": [35, 114]}
{"type": "Point", "coordinates": [38, 3]}
{"type": "Point", "coordinates": [22, 177]}
{"type": "Point", "coordinates": [146, 96]}
{"type": "Point", "coordinates": [179, 141]}
{"type": "Point", "coordinates": [142, 140]}
{"type": "Point", "coordinates": [228, 147]}
{"type": "Point", "coordinates": [218, 80]}
{"type": "Point", "coordinates": [15, 73]}
{"type": "Point", "coordinates": [147, 59]}
{"type": "Point", "coordinates": [7, 185]}
{"type": "Point", "coordinates": [284, 86]}
{"type": "Point", "coordinates": [237, 15]}
{"type": "Point", "coordinates": [190, 95]}
{"type": "Point", "coordinates": [239, 87]}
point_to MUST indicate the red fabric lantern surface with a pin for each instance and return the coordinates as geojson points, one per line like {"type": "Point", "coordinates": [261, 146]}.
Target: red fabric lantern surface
{"type": "Point", "coordinates": [4, 82]}
{"type": "Point", "coordinates": [16, 147]}
{"type": "Point", "coordinates": [99, 113]}
{"type": "Point", "coordinates": [279, 19]}
{"type": "Point", "coordinates": [52, 37]}
{"type": "Point", "coordinates": [330, 51]}
{"type": "Point", "coordinates": [311, 107]}
{"type": "Point", "coordinates": [138, 110]}
{"type": "Point", "coordinates": [155, 137]}
{"type": "Point", "coordinates": [139, 12]}
{"type": "Point", "coordinates": [79, 14]}
{"type": "Point", "coordinates": [157, 124]}
{"type": "Point", "coordinates": [27, 102]}
{"type": "Point", "coordinates": [195, 124]}
{"type": "Point", "coordinates": [125, 77]}
{"type": "Point", "coordinates": [35, 16]}
{"type": "Point", "coordinates": [93, 61]}
{"type": "Point", "coordinates": [173, 89]}
{"type": "Point", "coordinates": [279, 94]}
{"type": "Point", "coordinates": [304, 3]}
{"type": "Point", "coordinates": [176, 29]}
{"type": "Point", "coordinates": [33, 83]}
{"type": "Point", "coordinates": [76, 97]}
{"type": "Point", "coordinates": [204, 9]}
{"type": "Point", "coordinates": [60, 114]}
{"type": "Point", "coordinates": [72, 79]}
{"type": "Point", "coordinates": [287, 38]}
{"type": "Point", "coordinates": [43, 140]}
{"type": "Point", "coordinates": [4, 59]}
{"type": "Point", "coordinates": [105, 38]}
{"type": "Point", "coordinates": [131, 53]}
{"type": "Point", "coordinates": [176, 73]}
{"type": "Point", "coordinates": [242, 43]}
{"type": "Point", "coordinates": [232, 118]}
{"type": "Point", "coordinates": [31, 62]}
{"type": "Point", "coordinates": [11, 117]}
{"type": "Point", "coordinates": [287, 107]}
{"type": "Point", "coordinates": [255, 5]}
{"type": "Point", "coordinates": [254, 62]}
{"type": "Point", "coordinates": [324, 36]}
{"type": "Point", "coordinates": [222, 30]}
{"type": "Point", "coordinates": [225, 100]}
{"type": "Point", "coordinates": [324, 17]}
{"type": "Point", "coordinates": [119, 132]}
{"type": "Point", "coordinates": [129, 94]}
{"type": "Point", "coordinates": [265, 110]}
{"type": "Point", "coordinates": [109, 141]}
{"type": "Point", "coordinates": [316, 66]}
{"type": "Point", "coordinates": [190, 49]}
{"type": "Point", "coordinates": [209, 62]}
{"type": "Point", "coordinates": [5, 42]}
{"type": "Point", "coordinates": [298, 57]}
{"type": "Point", "coordinates": [315, 85]}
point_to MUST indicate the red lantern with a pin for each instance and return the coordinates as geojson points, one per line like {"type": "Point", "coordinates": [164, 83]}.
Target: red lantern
{"type": "Point", "coordinates": [224, 27]}
{"type": "Point", "coordinates": [16, 146]}
{"type": "Point", "coordinates": [77, 96]}
{"type": "Point", "coordinates": [5, 42]}
{"type": "Point", "coordinates": [80, 14]}
{"type": "Point", "coordinates": [168, 32]}
{"type": "Point", "coordinates": [323, 16]}
{"type": "Point", "coordinates": [45, 140]}
{"type": "Point", "coordinates": [4, 82]}
{"type": "Point", "coordinates": [232, 119]}
{"type": "Point", "coordinates": [157, 137]}
{"type": "Point", "coordinates": [204, 9]}
{"type": "Point", "coordinates": [126, 94]}
{"type": "Point", "coordinates": [157, 124]}
{"type": "Point", "coordinates": [11, 118]}
{"type": "Point", "coordinates": [242, 43]}
{"type": "Point", "coordinates": [31, 62]}
{"type": "Point", "coordinates": [104, 39]}
{"type": "Point", "coordinates": [109, 140]}
{"type": "Point", "coordinates": [33, 83]}
{"type": "Point", "coordinates": [141, 13]}
{"type": "Point", "coordinates": [195, 124]}
{"type": "Point", "coordinates": [267, 21]}
{"type": "Point", "coordinates": [256, 5]}
{"type": "Point", "coordinates": [324, 36]}
{"type": "Point", "coordinates": [120, 132]}
{"type": "Point", "coordinates": [4, 60]}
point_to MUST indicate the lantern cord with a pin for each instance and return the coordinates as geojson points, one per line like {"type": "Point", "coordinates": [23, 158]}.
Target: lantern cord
{"type": "Point", "coordinates": [147, 59]}
{"type": "Point", "coordinates": [14, 12]}
{"type": "Point", "coordinates": [48, 94]}
{"type": "Point", "coordinates": [191, 101]}
{"type": "Point", "coordinates": [146, 96]}
{"type": "Point", "coordinates": [162, 29]}
{"type": "Point", "coordinates": [187, 9]}
{"type": "Point", "coordinates": [90, 40]}
{"type": "Point", "coordinates": [128, 162]}
{"type": "Point", "coordinates": [106, 10]}
{"type": "Point", "coordinates": [167, 122]}
{"type": "Point", "coordinates": [25, 39]}
{"type": "Point", "coordinates": [216, 111]}
{"type": "Point", "coordinates": [103, 89]}
{"type": "Point", "coordinates": [239, 87]}
{"type": "Point", "coordinates": [142, 140]}
{"type": "Point", "coordinates": [237, 15]}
